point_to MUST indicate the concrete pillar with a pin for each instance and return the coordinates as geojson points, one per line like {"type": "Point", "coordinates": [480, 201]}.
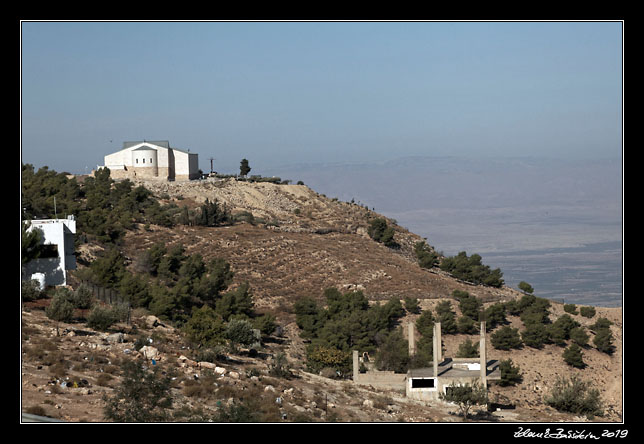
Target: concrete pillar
{"type": "Point", "coordinates": [483, 355]}
{"type": "Point", "coordinates": [356, 366]}
{"type": "Point", "coordinates": [411, 339]}
{"type": "Point", "coordinates": [435, 349]}
{"type": "Point", "coordinates": [439, 341]}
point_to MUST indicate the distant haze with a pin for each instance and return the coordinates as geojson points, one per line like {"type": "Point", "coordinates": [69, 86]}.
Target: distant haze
{"type": "Point", "coordinates": [554, 223]}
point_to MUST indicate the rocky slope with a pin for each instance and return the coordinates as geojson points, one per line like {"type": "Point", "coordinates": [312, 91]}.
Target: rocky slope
{"type": "Point", "coordinates": [300, 243]}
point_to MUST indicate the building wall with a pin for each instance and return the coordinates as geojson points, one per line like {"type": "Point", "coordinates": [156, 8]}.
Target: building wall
{"type": "Point", "coordinates": [378, 379]}
{"type": "Point", "coordinates": [186, 165]}
{"type": "Point", "coordinates": [59, 232]}
{"type": "Point", "coordinates": [169, 164]}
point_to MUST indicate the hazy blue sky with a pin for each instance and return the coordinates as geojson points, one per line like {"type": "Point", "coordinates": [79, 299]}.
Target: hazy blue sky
{"type": "Point", "coordinates": [282, 92]}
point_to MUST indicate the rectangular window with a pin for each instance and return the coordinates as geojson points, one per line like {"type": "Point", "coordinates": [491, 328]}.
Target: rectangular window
{"type": "Point", "coordinates": [422, 383]}
{"type": "Point", "coordinates": [150, 160]}
{"type": "Point", "coordinates": [143, 160]}
{"type": "Point", "coordinates": [137, 160]}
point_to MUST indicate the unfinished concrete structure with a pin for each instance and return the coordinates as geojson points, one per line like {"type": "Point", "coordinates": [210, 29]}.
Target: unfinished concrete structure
{"type": "Point", "coordinates": [426, 384]}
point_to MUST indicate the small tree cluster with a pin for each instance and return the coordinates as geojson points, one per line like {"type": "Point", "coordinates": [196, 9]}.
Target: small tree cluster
{"type": "Point", "coordinates": [425, 255]}
{"type": "Point", "coordinates": [347, 323]}
{"type": "Point", "coordinates": [381, 232]}
{"type": "Point", "coordinates": [471, 269]}
{"type": "Point", "coordinates": [603, 339]}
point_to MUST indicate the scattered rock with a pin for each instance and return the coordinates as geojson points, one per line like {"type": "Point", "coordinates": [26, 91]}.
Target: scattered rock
{"type": "Point", "coordinates": [149, 352]}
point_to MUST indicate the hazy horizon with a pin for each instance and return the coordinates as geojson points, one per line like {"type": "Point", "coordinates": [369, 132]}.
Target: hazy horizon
{"type": "Point", "coordinates": [279, 93]}
{"type": "Point", "coordinates": [520, 123]}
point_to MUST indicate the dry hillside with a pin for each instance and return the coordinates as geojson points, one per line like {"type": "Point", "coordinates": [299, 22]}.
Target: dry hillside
{"type": "Point", "coordinates": [300, 244]}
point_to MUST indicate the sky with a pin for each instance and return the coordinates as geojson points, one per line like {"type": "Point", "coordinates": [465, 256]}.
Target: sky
{"type": "Point", "coordinates": [305, 92]}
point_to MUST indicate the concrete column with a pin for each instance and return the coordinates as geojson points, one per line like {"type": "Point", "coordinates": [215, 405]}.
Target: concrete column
{"type": "Point", "coordinates": [483, 355]}
{"type": "Point", "coordinates": [439, 341]}
{"type": "Point", "coordinates": [356, 366]}
{"type": "Point", "coordinates": [435, 349]}
{"type": "Point", "coordinates": [411, 339]}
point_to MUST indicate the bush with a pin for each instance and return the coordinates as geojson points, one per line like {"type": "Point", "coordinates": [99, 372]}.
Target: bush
{"type": "Point", "coordinates": [241, 332]}
{"type": "Point", "coordinates": [506, 338]}
{"type": "Point", "coordinates": [603, 340]}
{"type": "Point", "coordinates": [510, 374]}
{"type": "Point", "coordinates": [579, 336]}
{"type": "Point", "coordinates": [587, 312]}
{"type": "Point", "coordinates": [60, 309]}
{"type": "Point", "coordinates": [380, 232]}
{"type": "Point", "coordinates": [574, 356]}
{"type": "Point", "coordinates": [205, 328]}
{"type": "Point", "coordinates": [427, 258]}
{"type": "Point", "coordinates": [570, 308]}
{"type": "Point", "coordinates": [144, 396]}
{"type": "Point", "coordinates": [412, 305]}
{"type": "Point", "coordinates": [318, 357]}
{"type": "Point", "coordinates": [393, 354]}
{"type": "Point", "coordinates": [465, 395]}
{"type": "Point", "coordinates": [30, 290]}
{"type": "Point", "coordinates": [471, 269]}
{"type": "Point", "coordinates": [102, 318]}
{"type": "Point", "coordinates": [535, 335]}
{"type": "Point", "coordinates": [467, 349]}
{"type": "Point", "coordinates": [575, 396]}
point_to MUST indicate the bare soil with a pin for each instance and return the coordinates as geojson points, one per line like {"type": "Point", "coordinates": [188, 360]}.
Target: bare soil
{"type": "Point", "coordinates": [310, 244]}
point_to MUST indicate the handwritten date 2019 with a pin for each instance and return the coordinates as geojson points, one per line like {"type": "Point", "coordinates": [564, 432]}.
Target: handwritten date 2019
{"type": "Point", "coordinates": [561, 433]}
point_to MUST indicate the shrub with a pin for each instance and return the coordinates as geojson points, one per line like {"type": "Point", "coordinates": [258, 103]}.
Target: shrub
{"type": "Point", "coordinates": [603, 340]}
{"type": "Point", "coordinates": [143, 396]}
{"type": "Point", "coordinates": [241, 332]}
{"type": "Point", "coordinates": [570, 308]}
{"type": "Point", "coordinates": [102, 318]}
{"type": "Point", "coordinates": [467, 349]}
{"type": "Point", "coordinates": [411, 305]}
{"type": "Point", "coordinates": [205, 327]}
{"type": "Point", "coordinates": [30, 290]}
{"type": "Point", "coordinates": [579, 336]}
{"type": "Point", "coordinates": [318, 357]}
{"type": "Point", "coordinates": [471, 269]}
{"type": "Point", "coordinates": [470, 305]}
{"type": "Point", "coordinates": [82, 297]}
{"type": "Point", "coordinates": [60, 309]}
{"type": "Point", "coordinates": [393, 354]}
{"type": "Point", "coordinates": [380, 232]}
{"type": "Point", "coordinates": [506, 338]}
{"type": "Point", "coordinates": [279, 367]}
{"type": "Point", "coordinates": [601, 324]}
{"type": "Point", "coordinates": [466, 325]}
{"type": "Point", "coordinates": [510, 374]}
{"type": "Point", "coordinates": [575, 396]}
{"type": "Point", "coordinates": [535, 335]}
{"type": "Point", "coordinates": [574, 356]}
{"type": "Point", "coordinates": [525, 287]}
{"type": "Point", "coordinates": [427, 258]}
{"type": "Point", "coordinates": [587, 312]}
{"type": "Point", "coordinates": [465, 395]}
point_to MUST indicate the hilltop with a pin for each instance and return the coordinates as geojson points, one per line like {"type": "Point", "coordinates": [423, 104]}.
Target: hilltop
{"type": "Point", "coordinates": [293, 242]}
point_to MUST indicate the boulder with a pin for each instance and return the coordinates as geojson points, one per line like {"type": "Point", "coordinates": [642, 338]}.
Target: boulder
{"type": "Point", "coordinates": [115, 338]}
{"type": "Point", "coordinates": [149, 352]}
{"type": "Point", "coordinates": [208, 365]}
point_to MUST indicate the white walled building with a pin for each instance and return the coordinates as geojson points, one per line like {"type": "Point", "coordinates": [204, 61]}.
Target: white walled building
{"type": "Point", "coordinates": [154, 159]}
{"type": "Point", "coordinates": [58, 253]}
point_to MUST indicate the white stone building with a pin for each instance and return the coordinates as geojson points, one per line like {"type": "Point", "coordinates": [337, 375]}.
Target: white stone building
{"type": "Point", "coordinates": [154, 159]}
{"type": "Point", "coordinates": [57, 255]}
